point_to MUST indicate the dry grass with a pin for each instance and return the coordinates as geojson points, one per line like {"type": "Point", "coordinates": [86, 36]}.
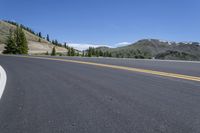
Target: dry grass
{"type": "Point", "coordinates": [34, 45]}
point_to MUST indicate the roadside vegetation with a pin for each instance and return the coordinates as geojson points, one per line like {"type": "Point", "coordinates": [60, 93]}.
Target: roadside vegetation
{"type": "Point", "coordinates": [16, 42]}
{"type": "Point", "coordinates": [172, 55]}
{"type": "Point", "coordinates": [53, 53]}
{"type": "Point", "coordinates": [93, 52]}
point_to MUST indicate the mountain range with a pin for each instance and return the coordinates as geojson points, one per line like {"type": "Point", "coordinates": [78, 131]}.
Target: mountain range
{"type": "Point", "coordinates": [155, 48]}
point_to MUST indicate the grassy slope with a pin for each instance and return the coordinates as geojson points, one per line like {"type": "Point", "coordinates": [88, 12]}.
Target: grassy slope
{"type": "Point", "coordinates": [34, 45]}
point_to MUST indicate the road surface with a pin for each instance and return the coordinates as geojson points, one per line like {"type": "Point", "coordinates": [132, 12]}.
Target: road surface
{"type": "Point", "coordinates": [49, 96]}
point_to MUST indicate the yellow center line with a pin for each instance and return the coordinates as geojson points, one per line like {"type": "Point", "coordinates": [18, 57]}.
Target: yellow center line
{"type": "Point", "coordinates": [159, 73]}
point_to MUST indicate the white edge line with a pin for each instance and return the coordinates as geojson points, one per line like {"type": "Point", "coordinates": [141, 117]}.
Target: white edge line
{"type": "Point", "coordinates": [3, 79]}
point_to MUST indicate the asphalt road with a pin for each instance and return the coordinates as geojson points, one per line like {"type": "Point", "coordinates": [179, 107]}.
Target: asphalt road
{"type": "Point", "coordinates": [180, 67]}
{"type": "Point", "coordinates": [46, 96]}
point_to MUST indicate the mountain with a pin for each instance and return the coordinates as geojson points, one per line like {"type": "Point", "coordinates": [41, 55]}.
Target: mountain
{"type": "Point", "coordinates": [103, 48]}
{"type": "Point", "coordinates": [36, 44]}
{"type": "Point", "coordinates": [154, 48]}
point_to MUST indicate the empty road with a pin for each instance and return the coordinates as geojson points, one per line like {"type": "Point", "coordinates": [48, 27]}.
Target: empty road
{"type": "Point", "coordinates": [56, 96]}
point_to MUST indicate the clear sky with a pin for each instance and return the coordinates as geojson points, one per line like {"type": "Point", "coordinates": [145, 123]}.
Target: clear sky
{"type": "Point", "coordinates": [107, 21]}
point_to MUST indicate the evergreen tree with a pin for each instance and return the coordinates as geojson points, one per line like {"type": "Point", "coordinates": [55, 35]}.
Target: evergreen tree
{"type": "Point", "coordinates": [10, 47]}
{"type": "Point", "coordinates": [53, 53]}
{"type": "Point", "coordinates": [83, 54]}
{"type": "Point", "coordinates": [20, 38]}
{"type": "Point", "coordinates": [53, 42]}
{"type": "Point", "coordinates": [40, 34]}
{"type": "Point", "coordinates": [110, 55]}
{"type": "Point", "coordinates": [56, 42]}
{"type": "Point", "coordinates": [69, 52]}
{"type": "Point", "coordinates": [100, 53]}
{"type": "Point", "coordinates": [89, 52]}
{"type": "Point", "coordinates": [65, 45]}
{"type": "Point", "coordinates": [48, 38]}
{"type": "Point", "coordinates": [72, 52]}
{"type": "Point", "coordinates": [97, 53]}
{"type": "Point", "coordinates": [16, 42]}
{"type": "Point", "coordinates": [93, 51]}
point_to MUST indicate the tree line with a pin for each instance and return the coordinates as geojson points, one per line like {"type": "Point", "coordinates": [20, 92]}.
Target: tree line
{"type": "Point", "coordinates": [94, 52]}
{"type": "Point", "coordinates": [132, 53]}
{"type": "Point", "coordinates": [38, 34]}
{"type": "Point", "coordinates": [22, 26]}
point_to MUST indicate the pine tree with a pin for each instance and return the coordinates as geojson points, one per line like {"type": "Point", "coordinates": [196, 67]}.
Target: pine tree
{"type": "Point", "coordinates": [110, 55]}
{"type": "Point", "coordinates": [53, 42]}
{"type": "Point", "coordinates": [48, 38]}
{"type": "Point", "coordinates": [53, 53]}
{"type": "Point", "coordinates": [20, 38]}
{"type": "Point", "coordinates": [69, 52]}
{"type": "Point", "coordinates": [97, 53]}
{"type": "Point", "coordinates": [65, 45]}
{"type": "Point", "coordinates": [40, 34]}
{"type": "Point", "coordinates": [83, 53]}
{"type": "Point", "coordinates": [10, 47]}
{"type": "Point", "coordinates": [100, 53]}
{"type": "Point", "coordinates": [93, 51]}
{"type": "Point", "coordinates": [89, 52]}
{"type": "Point", "coordinates": [72, 52]}
{"type": "Point", "coordinates": [16, 42]}
{"type": "Point", "coordinates": [56, 42]}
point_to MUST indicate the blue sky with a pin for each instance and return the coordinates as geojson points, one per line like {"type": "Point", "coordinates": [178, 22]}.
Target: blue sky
{"type": "Point", "coordinates": [107, 21]}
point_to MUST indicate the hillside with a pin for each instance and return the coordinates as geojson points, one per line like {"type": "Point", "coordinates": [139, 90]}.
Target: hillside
{"type": "Point", "coordinates": [34, 45]}
{"type": "Point", "coordinates": [153, 48]}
